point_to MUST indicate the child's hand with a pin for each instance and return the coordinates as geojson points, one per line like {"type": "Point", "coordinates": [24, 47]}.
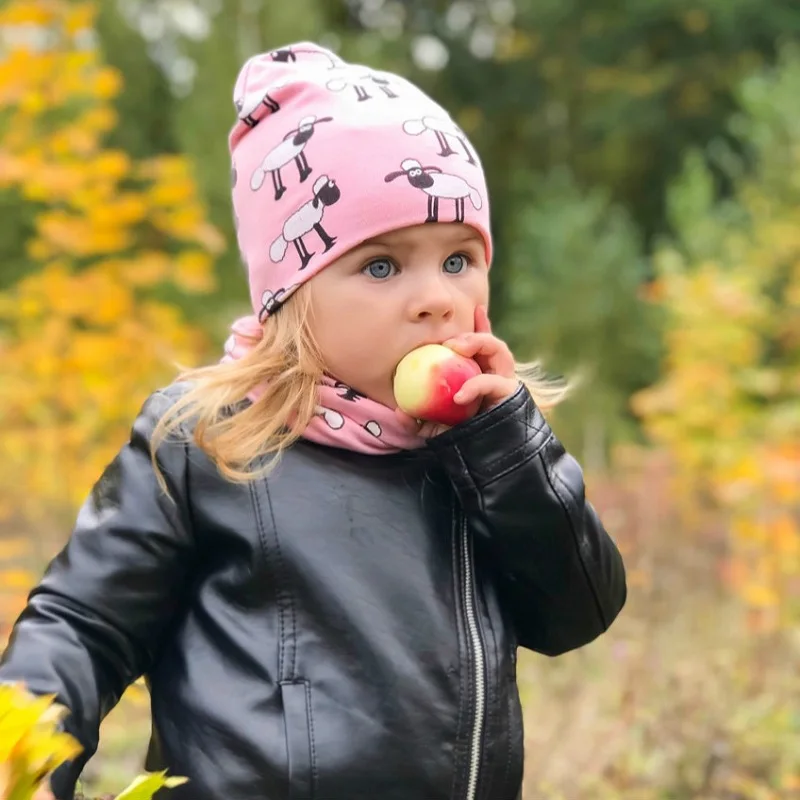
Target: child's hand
{"type": "Point", "coordinates": [496, 383]}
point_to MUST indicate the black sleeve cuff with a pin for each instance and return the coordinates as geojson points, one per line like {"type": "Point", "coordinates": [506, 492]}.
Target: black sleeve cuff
{"type": "Point", "coordinates": [494, 442]}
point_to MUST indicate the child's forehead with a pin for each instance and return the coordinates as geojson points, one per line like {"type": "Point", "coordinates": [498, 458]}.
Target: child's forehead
{"type": "Point", "coordinates": [453, 233]}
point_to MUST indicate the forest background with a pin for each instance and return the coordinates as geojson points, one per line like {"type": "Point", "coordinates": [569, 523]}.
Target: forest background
{"type": "Point", "coordinates": [644, 165]}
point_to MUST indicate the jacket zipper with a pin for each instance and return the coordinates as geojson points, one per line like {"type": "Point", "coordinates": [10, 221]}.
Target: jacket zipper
{"type": "Point", "coordinates": [478, 658]}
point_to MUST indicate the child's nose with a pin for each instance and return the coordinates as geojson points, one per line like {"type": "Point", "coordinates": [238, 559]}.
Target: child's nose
{"type": "Point", "coordinates": [433, 299]}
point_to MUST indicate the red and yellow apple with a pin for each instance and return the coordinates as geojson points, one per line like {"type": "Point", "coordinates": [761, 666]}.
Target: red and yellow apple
{"type": "Point", "coordinates": [426, 380]}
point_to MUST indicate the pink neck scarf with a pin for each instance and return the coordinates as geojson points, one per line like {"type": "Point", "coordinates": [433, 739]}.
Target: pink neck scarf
{"type": "Point", "coordinates": [345, 418]}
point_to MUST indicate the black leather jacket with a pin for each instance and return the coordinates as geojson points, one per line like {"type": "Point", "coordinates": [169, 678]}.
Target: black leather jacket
{"type": "Point", "coordinates": [345, 629]}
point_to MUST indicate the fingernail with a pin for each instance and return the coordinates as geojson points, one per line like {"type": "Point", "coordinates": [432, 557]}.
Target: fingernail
{"type": "Point", "coordinates": [458, 396]}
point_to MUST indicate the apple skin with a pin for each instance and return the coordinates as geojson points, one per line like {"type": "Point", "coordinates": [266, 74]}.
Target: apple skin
{"type": "Point", "coordinates": [427, 378]}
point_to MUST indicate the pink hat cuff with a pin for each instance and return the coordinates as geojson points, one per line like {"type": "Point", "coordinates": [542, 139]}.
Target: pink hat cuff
{"type": "Point", "coordinates": [327, 155]}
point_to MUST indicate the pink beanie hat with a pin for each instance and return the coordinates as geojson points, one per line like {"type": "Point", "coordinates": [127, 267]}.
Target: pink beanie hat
{"type": "Point", "coordinates": [326, 154]}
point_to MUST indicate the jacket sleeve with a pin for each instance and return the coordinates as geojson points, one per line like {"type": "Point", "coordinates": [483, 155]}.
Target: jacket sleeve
{"type": "Point", "coordinates": [561, 575]}
{"type": "Point", "coordinates": [93, 624]}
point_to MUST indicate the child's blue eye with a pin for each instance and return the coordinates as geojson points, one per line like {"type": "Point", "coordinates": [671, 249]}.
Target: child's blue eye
{"type": "Point", "coordinates": [381, 268]}
{"type": "Point", "coordinates": [456, 263]}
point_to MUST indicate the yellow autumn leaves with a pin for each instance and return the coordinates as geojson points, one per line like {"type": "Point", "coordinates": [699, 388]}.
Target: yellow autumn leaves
{"type": "Point", "coordinates": [32, 745]}
{"type": "Point", "coordinates": [87, 332]}
{"type": "Point", "coordinates": [727, 405]}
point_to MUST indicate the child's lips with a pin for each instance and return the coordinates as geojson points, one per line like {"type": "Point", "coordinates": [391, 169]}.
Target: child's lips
{"type": "Point", "coordinates": [437, 340]}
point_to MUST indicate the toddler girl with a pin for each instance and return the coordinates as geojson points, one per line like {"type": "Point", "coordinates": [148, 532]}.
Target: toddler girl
{"type": "Point", "coordinates": [326, 596]}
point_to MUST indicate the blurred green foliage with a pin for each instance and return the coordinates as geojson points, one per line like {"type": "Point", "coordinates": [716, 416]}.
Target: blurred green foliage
{"type": "Point", "coordinates": [583, 113]}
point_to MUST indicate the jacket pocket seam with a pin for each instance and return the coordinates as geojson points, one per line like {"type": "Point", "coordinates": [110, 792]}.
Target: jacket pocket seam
{"type": "Point", "coordinates": [309, 738]}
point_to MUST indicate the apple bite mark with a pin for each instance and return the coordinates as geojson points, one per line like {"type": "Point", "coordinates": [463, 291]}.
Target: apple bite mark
{"type": "Point", "coordinates": [427, 380]}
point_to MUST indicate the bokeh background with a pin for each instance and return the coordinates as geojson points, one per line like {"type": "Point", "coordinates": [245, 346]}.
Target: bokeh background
{"type": "Point", "coordinates": [644, 163]}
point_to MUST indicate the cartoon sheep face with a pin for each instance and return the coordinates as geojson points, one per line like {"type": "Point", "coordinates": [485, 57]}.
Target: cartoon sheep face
{"type": "Point", "coordinates": [438, 185]}
{"type": "Point", "coordinates": [291, 148]}
{"type": "Point", "coordinates": [307, 218]}
{"type": "Point", "coordinates": [272, 301]}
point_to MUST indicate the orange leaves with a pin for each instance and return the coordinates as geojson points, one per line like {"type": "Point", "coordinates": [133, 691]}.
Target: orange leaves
{"type": "Point", "coordinates": [82, 336]}
{"type": "Point", "coordinates": [123, 211]}
{"type": "Point", "coordinates": [150, 268]}
{"type": "Point", "coordinates": [785, 536]}
{"type": "Point", "coordinates": [61, 232]}
{"type": "Point", "coordinates": [105, 83]}
{"type": "Point", "coordinates": [783, 473]}
{"type": "Point", "coordinates": [193, 271]}
{"type": "Point", "coordinates": [726, 406]}
{"type": "Point", "coordinates": [20, 13]}
{"type": "Point", "coordinates": [166, 193]}
{"type": "Point", "coordinates": [717, 323]}
{"type": "Point", "coordinates": [88, 350]}
{"type": "Point", "coordinates": [79, 17]}
{"type": "Point", "coordinates": [172, 201]}
{"type": "Point", "coordinates": [74, 17]}
{"type": "Point", "coordinates": [42, 35]}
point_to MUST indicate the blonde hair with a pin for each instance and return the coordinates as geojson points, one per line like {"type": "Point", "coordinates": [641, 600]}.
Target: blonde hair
{"type": "Point", "coordinates": [286, 362]}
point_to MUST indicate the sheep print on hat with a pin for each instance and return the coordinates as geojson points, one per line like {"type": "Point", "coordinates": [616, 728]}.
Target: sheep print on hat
{"type": "Point", "coordinates": [326, 154]}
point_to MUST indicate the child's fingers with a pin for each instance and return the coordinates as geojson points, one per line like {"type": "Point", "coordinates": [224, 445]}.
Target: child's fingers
{"type": "Point", "coordinates": [478, 343]}
{"type": "Point", "coordinates": [482, 323]}
{"type": "Point", "coordinates": [492, 354]}
{"type": "Point", "coordinates": [493, 389]}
